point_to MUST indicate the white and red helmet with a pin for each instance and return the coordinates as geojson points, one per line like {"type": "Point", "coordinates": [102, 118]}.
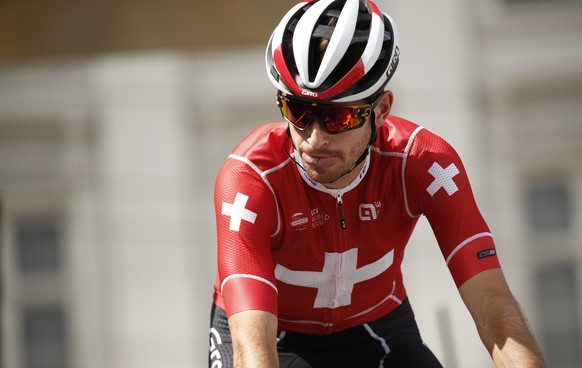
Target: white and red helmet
{"type": "Point", "coordinates": [360, 58]}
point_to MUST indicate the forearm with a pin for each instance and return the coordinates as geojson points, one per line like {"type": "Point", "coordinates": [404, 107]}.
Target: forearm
{"type": "Point", "coordinates": [500, 321]}
{"type": "Point", "coordinates": [507, 337]}
{"type": "Point", "coordinates": [253, 352]}
{"type": "Point", "coordinates": [254, 339]}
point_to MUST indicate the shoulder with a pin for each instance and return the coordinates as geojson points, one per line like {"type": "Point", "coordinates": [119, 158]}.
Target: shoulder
{"type": "Point", "coordinates": [406, 137]}
{"type": "Point", "coordinates": [396, 134]}
{"type": "Point", "coordinates": [265, 147]}
{"type": "Point", "coordinates": [263, 152]}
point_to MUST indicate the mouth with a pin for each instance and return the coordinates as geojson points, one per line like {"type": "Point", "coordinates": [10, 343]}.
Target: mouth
{"type": "Point", "coordinates": [319, 161]}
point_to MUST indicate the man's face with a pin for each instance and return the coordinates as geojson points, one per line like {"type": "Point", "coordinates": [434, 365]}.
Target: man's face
{"type": "Point", "coordinates": [327, 158]}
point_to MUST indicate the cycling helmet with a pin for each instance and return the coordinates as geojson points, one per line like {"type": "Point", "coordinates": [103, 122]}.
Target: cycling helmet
{"type": "Point", "coordinates": [333, 50]}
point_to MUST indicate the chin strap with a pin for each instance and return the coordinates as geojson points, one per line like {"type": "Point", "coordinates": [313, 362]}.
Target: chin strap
{"type": "Point", "coordinates": [364, 154]}
{"type": "Point", "coordinates": [293, 144]}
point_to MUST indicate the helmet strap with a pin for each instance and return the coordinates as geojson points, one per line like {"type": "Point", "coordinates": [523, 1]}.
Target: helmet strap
{"type": "Point", "coordinates": [373, 138]}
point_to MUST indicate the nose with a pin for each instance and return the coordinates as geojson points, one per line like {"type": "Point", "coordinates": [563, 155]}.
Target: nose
{"type": "Point", "coordinates": [317, 137]}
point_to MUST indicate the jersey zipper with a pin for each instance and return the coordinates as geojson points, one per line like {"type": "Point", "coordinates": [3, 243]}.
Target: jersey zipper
{"type": "Point", "coordinates": [339, 247]}
{"type": "Point", "coordinates": [340, 206]}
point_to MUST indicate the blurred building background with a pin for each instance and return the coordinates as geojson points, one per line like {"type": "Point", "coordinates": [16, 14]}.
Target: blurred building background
{"type": "Point", "coordinates": [116, 115]}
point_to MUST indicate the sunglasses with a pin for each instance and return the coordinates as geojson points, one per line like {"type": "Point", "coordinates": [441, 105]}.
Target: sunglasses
{"type": "Point", "coordinates": [334, 118]}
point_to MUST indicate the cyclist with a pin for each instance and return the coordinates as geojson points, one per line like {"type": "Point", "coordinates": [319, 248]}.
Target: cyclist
{"type": "Point", "coordinates": [314, 213]}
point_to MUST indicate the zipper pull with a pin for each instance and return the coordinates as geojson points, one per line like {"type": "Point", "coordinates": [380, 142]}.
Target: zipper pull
{"type": "Point", "coordinates": [340, 205]}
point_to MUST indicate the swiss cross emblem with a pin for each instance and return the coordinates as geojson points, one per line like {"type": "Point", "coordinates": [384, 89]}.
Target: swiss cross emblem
{"type": "Point", "coordinates": [443, 179]}
{"type": "Point", "coordinates": [335, 282]}
{"type": "Point", "coordinates": [237, 211]}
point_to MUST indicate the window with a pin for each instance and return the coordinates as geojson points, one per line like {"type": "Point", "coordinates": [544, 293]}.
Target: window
{"type": "Point", "coordinates": [549, 206]}
{"type": "Point", "coordinates": [44, 337]}
{"type": "Point", "coordinates": [38, 246]}
{"type": "Point", "coordinates": [557, 297]}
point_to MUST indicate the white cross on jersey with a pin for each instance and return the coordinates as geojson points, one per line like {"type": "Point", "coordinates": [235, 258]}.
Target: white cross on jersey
{"type": "Point", "coordinates": [336, 281]}
{"type": "Point", "coordinates": [238, 212]}
{"type": "Point", "coordinates": [443, 178]}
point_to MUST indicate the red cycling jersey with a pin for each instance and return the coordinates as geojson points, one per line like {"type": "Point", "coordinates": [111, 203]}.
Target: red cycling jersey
{"type": "Point", "coordinates": [324, 260]}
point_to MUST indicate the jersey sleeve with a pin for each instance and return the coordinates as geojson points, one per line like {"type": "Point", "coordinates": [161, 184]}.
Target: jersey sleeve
{"type": "Point", "coordinates": [246, 219]}
{"type": "Point", "coordinates": [438, 187]}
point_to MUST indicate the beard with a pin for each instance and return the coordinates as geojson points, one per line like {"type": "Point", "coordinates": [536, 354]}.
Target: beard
{"type": "Point", "coordinates": [345, 164]}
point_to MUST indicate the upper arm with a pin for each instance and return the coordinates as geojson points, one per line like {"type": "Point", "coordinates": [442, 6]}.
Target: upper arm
{"type": "Point", "coordinates": [246, 218]}
{"type": "Point", "coordinates": [438, 187]}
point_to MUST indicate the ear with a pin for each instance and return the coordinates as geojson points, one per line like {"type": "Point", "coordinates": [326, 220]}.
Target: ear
{"type": "Point", "coordinates": [383, 108]}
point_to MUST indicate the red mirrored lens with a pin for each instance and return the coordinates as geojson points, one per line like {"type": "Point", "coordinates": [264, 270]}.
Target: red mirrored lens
{"type": "Point", "coordinates": [297, 113]}
{"type": "Point", "coordinates": [334, 119]}
{"type": "Point", "coordinates": [339, 119]}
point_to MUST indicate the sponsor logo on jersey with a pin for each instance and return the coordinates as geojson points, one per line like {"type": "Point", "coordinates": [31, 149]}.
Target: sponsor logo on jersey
{"type": "Point", "coordinates": [312, 182]}
{"type": "Point", "coordinates": [299, 221]}
{"type": "Point", "coordinates": [486, 253]}
{"type": "Point", "coordinates": [314, 219]}
{"type": "Point", "coordinates": [318, 218]}
{"type": "Point", "coordinates": [369, 212]}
